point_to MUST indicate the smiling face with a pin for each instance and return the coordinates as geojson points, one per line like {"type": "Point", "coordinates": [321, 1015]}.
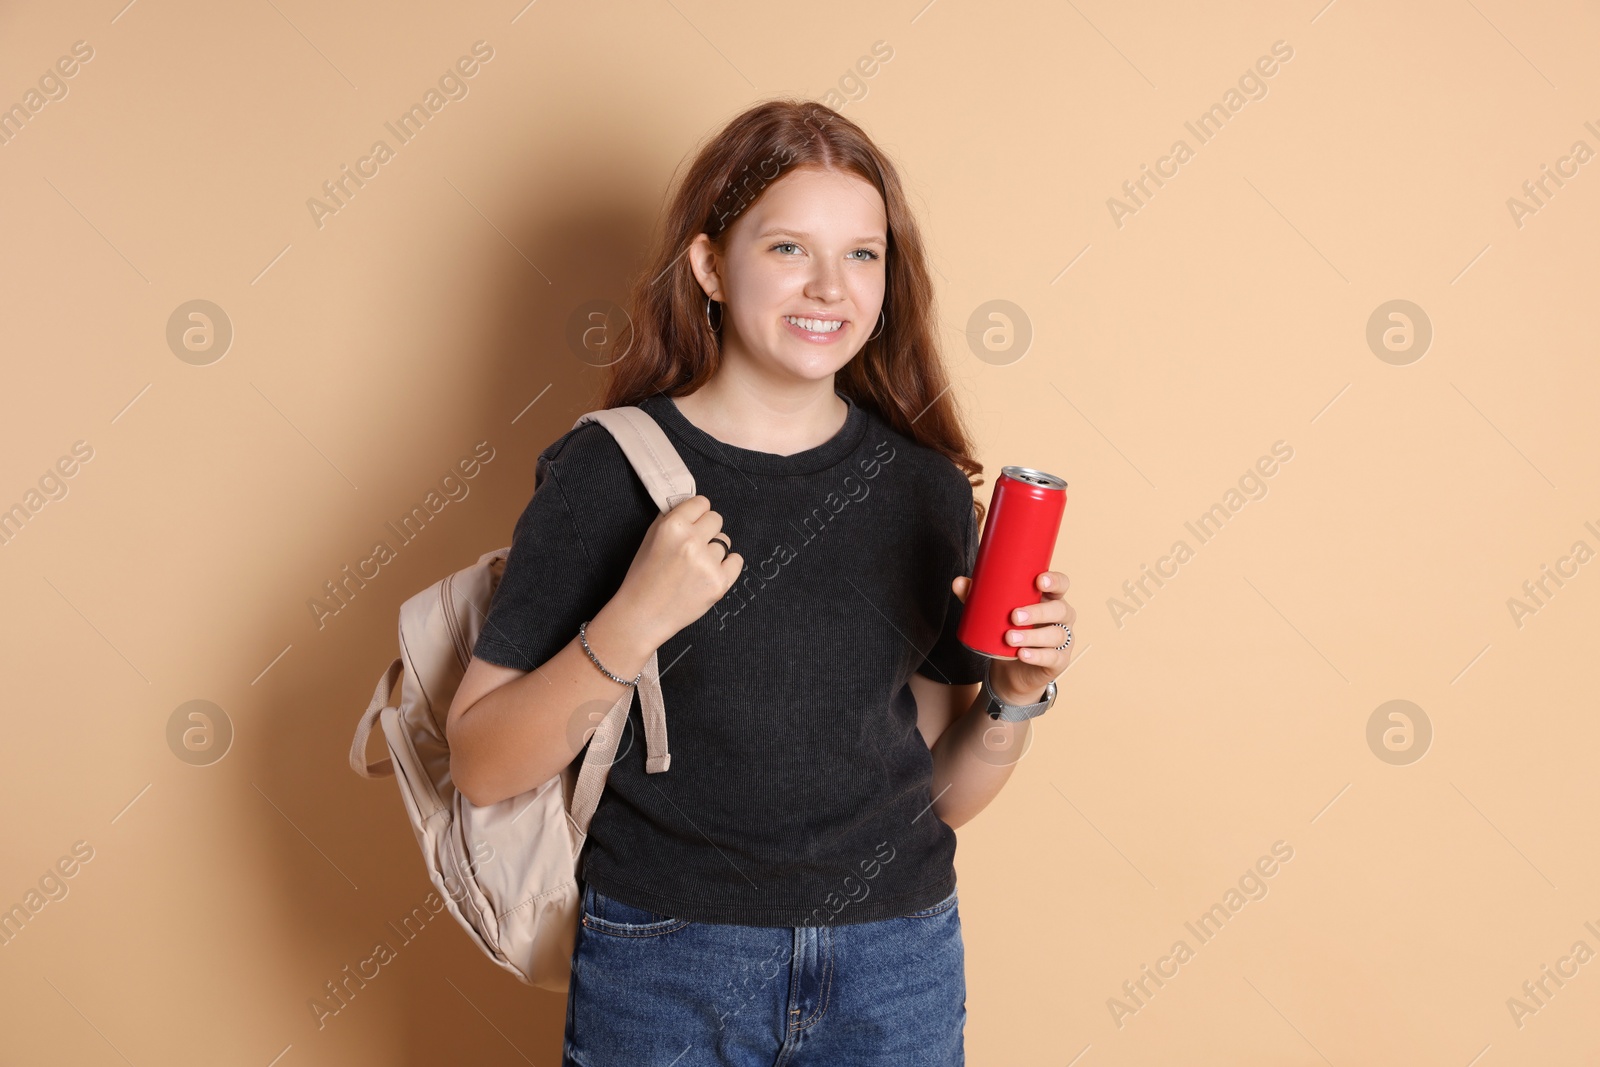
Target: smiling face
{"type": "Point", "coordinates": [800, 276]}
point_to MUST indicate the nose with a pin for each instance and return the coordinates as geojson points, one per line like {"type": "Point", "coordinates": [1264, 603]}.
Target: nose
{"type": "Point", "coordinates": [826, 284]}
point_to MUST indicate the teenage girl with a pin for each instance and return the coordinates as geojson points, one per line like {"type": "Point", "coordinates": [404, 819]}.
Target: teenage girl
{"type": "Point", "coordinates": [785, 891]}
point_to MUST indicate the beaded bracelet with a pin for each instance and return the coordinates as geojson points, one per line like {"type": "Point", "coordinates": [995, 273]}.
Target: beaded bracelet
{"type": "Point", "coordinates": [620, 681]}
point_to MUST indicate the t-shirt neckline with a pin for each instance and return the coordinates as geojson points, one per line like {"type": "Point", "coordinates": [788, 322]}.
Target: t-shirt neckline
{"type": "Point", "coordinates": [662, 408]}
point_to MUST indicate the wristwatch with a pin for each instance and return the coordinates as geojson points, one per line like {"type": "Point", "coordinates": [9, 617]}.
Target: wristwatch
{"type": "Point", "coordinates": [999, 709]}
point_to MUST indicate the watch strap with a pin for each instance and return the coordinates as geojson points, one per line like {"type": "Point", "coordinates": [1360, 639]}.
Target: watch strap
{"type": "Point", "coordinates": [999, 709]}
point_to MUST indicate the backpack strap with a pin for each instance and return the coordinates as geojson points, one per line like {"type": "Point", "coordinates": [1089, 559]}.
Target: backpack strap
{"type": "Point", "coordinates": [358, 747]}
{"type": "Point", "coordinates": [669, 483]}
{"type": "Point", "coordinates": [645, 444]}
{"type": "Point", "coordinates": [603, 747]}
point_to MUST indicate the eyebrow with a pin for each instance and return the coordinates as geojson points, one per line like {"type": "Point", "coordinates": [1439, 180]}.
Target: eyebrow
{"type": "Point", "coordinates": [778, 232]}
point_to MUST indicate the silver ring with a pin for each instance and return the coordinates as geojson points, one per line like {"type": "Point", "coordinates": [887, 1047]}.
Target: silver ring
{"type": "Point", "coordinates": [726, 547]}
{"type": "Point", "coordinates": [1068, 641]}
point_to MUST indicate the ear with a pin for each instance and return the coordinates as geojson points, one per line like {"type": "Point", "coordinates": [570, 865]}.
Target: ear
{"type": "Point", "coordinates": [703, 260]}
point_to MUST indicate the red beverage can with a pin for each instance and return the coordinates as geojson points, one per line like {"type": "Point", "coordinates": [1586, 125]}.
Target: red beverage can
{"type": "Point", "coordinates": [1019, 538]}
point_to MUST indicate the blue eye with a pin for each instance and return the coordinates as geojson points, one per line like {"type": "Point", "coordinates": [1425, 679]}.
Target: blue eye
{"type": "Point", "coordinates": [871, 255]}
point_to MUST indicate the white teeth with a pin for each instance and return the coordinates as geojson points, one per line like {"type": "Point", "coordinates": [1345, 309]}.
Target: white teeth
{"type": "Point", "coordinates": [814, 325]}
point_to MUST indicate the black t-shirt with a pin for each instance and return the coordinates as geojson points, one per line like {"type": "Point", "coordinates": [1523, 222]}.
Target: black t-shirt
{"type": "Point", "coordinates": [800, 787]}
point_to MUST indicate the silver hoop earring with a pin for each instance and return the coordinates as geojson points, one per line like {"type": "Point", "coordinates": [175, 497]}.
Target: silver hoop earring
{"type": "Point", "coordinates": [882, 322]}
{"type": "Point", "coordinates": [718, 326]}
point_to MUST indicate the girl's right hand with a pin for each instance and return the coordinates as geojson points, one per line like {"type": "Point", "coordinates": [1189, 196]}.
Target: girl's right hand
{"type": "Point", "coordinates": [678, 572]}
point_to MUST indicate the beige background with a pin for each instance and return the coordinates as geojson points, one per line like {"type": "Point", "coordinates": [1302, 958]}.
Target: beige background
{"type": "Point", "coordinates": [1229, 313]}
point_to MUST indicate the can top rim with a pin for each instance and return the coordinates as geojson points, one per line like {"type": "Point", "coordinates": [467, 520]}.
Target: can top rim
{"type": "Point", "coordinates": [1033, 477]}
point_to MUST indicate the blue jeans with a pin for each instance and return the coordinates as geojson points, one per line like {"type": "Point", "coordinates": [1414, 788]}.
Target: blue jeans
{"type": "Point", "coordinates": [650, 990]}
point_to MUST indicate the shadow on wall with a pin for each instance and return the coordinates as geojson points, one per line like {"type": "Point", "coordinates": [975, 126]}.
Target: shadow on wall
{"type": "Point", "coordinates": [377, 946]}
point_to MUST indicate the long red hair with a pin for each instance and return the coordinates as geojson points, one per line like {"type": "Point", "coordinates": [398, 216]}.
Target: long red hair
{"type": "Point", "coordinates": [673, 350]}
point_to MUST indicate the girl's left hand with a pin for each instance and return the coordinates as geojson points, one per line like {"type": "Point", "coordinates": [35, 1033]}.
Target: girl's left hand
{"type": "Point", "coordinates": [1022, 681]}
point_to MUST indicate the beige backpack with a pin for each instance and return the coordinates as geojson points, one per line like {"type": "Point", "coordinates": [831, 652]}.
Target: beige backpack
{"type": "Point", "coordinates": [508, 871]}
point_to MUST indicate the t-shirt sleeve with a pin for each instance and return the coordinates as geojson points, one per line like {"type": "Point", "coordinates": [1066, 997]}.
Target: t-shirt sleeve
{"type": "Point", "coordinates": [570, 551]}
{"type": "Point", "coordinates": [548, 587]}
{"type": "Point", "coordinates": [950, 661]}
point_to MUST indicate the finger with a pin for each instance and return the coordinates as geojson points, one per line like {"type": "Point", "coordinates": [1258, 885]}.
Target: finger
{"type": "Point", "coordinates": [961, 587]}
{"type": "Point", "coordinates": [708, 523]}
{"type": "Point", "coordinates": [691, 508]}
{"type": "Point", "coordinates": [1053, 581]}
{"type": "Point", "coordinates": [1044, 612]}
{"type": "Point", "coordinates": [1052, 660]}
{"type": "Point", "coordinates": [1032, 668]}
{"type": "Point", "coordinates": [1035, 636]}
{"type": "Point", "coordinates": [721, 544]}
